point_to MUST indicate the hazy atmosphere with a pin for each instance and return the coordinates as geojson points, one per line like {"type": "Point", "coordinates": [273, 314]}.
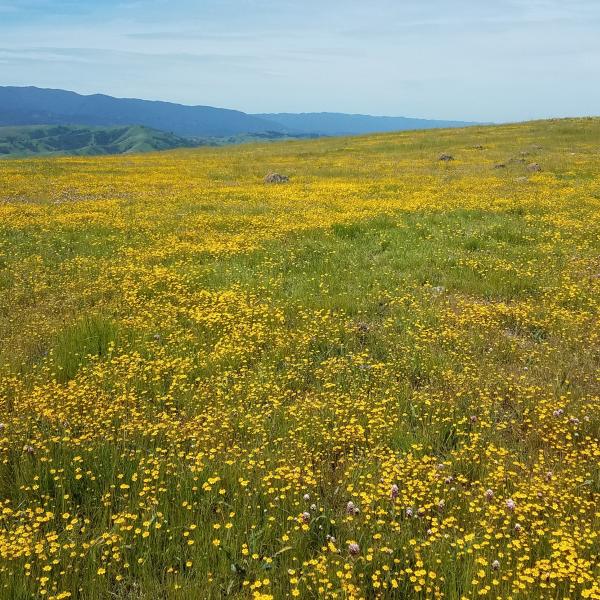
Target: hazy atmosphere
{"type": "Point", "coordinates": [465, 59]}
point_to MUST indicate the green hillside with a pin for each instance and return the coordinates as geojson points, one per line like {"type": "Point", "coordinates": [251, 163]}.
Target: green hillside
{"type": "Point", "coordinates": [377, 380]}
{"type": "Point", "coordinates": [83, 141]}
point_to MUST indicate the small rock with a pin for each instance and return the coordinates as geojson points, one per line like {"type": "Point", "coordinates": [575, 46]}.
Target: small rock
{"type": "Point", "coordinates": [499, 166]}
{"type": "Point", "coordinates": [534, 167]}
{"type": "Point", "coordinates": [478, 147]}
{"type": "Point", "coordinates": [276, 178]}
{"type": "Point", "coordinates": [446, 157]}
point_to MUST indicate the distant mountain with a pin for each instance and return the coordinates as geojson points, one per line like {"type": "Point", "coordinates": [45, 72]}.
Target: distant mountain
{"type": "Point", "coordinates": [343, 124]}
{"type": "Point", "coordinates": [36, 106]}
{"type": "Point", "coordinates": [81, 140]}
{"type": "Point", "coordinates": [22, 106]}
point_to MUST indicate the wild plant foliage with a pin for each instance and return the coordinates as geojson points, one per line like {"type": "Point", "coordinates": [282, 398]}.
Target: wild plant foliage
{"type": "Point", "coordinates": [376, 380]}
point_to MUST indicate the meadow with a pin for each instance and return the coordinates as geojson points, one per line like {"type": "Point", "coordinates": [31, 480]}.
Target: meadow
{"type": "Point", "coordinates": [379, 380]}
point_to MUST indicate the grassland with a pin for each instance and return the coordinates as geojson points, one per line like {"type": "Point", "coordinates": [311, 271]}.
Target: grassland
{"type": "Point", "coordinates": [377, 381]}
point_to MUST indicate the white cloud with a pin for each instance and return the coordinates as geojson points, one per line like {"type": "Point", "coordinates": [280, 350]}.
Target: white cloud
{"type": "Point", "coordinates": [460, 59]}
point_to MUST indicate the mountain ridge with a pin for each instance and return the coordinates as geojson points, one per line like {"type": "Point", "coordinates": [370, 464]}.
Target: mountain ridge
{"type": "Point", "coordinates": [333, 123]}
{"type": "Point", "coordinates": [45, 106]}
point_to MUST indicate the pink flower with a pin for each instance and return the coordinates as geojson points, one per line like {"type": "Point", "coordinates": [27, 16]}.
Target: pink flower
{"type": "Point", "coordinates": [394, 492]}
{"type": "Point", "coordinates": [353, 549]}
{"type": "Point", "coordinates": [510, 504]}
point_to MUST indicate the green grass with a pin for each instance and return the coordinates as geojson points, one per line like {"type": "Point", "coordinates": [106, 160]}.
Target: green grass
{"type": "Point", "coordinates": [168, 318]}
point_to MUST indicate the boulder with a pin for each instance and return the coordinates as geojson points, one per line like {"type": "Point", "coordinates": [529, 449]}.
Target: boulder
{"type": "Point", "coordinates": [276, 178]}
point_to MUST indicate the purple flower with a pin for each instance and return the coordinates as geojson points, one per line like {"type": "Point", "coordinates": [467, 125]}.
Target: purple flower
{"type": "Point", "coordinates": [306, 517]}
{"type": "Point", "coordinates": [353, 549]}
{"type": "Point", "coordinates": [489, 494]}
{"type": "Point", "coordinates": [394, 492]}
{"type": "Point", "coordinates": [510, 504]}
{"type": "Point", "coordinates": [409, 512]}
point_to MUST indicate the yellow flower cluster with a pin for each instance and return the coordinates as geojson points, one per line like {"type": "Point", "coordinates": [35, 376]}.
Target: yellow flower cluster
{"type": "Point", "coordinates": [379, 380]}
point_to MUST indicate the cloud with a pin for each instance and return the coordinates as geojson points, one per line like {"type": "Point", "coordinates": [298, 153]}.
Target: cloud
{"type": "Point", "coordinates": [459, 59]}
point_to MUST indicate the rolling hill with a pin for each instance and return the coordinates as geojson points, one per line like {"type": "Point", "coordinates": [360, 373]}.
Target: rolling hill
{"type": "Point", "coordinates": [375, 379]}
{"type": "Point", "coordinates": [79, 140]}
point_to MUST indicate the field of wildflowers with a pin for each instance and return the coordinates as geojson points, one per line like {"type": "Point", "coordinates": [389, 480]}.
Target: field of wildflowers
{"type": "Point", "coordinates": [379, 380]}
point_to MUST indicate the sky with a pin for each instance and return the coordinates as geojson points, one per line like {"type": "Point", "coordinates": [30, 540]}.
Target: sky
{"type": "Point", "coordinates": [476, 60]}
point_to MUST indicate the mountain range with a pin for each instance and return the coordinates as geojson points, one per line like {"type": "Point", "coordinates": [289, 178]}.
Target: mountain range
{"type": "Point", "coordinates": [328, 123]}
{"type": "Point", "coordinates": [186, 125]}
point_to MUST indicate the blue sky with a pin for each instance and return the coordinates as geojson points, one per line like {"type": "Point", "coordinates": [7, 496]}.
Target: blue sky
{"type": "Point", "coordinates": [454, 59]}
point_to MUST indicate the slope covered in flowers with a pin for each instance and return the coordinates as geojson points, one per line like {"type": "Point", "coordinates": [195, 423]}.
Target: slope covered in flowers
{"type": "Point", "coordinates": [379, 380]}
